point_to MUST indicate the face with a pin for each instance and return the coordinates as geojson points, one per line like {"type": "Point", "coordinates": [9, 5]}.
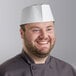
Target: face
{"type": "Point", "coordinates": [39, 38]}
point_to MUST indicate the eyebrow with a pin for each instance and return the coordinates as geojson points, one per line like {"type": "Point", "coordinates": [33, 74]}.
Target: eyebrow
{"type": "Point", "coordinates": [39, 27]}
{"type": "Point", "coordinates": [33, 27]}
{"type": "Point", "coordinates": [50, 26]}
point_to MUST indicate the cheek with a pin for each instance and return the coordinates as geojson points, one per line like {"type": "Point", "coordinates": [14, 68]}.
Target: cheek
{"type": "Point", "coordinates": [52, 38]}
{"type": "Point", "coordinates": [31, 37]}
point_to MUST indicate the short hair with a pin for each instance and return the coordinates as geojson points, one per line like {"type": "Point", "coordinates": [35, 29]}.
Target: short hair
{"type": "Point", "coordinates": [22, 27]}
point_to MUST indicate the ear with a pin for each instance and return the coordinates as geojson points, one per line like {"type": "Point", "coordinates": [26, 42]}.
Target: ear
{"type": "Point", "coordinates": [22, 33]}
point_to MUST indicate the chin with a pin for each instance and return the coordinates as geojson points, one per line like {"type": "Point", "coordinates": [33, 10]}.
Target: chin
{"type": "Point", "coordinates": [44, 50]}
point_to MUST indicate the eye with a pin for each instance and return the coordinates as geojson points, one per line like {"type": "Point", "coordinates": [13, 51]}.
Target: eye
{"type": "Point", "coordinates": [49, 29]}
{"type": "Point", "coordinates": [35, 30]}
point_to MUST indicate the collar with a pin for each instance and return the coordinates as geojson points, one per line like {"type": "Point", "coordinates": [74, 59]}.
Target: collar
{"type": "Point", "coordinates": [29, 60]}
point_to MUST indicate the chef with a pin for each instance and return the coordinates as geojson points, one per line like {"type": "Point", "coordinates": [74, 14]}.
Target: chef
{"type": "Point", "coordinates": [38, 37]}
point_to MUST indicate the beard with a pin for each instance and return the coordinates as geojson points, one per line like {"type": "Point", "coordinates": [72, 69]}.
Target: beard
{"type": "Point", "coordinates": [33, 50]}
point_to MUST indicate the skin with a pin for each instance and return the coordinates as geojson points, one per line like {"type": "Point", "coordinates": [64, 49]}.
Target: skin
{"type": "Point", "coordinates": [38, 40]}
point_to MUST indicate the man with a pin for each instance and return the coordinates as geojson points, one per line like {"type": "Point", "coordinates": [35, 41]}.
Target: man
{"type": "Point", "coordinates": [37, 33]}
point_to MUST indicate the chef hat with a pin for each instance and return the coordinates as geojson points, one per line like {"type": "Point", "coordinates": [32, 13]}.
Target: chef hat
{"type": "Point", "coordinates": [37, 13]}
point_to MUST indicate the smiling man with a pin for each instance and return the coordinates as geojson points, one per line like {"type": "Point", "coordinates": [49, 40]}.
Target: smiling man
{"type": "Point", "coordinates": [39, 39]}
{"type": "Point", "coordinates": [38, 36]}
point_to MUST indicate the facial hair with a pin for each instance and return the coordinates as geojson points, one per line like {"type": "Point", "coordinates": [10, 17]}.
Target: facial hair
{"type": "Point", "coordinates": [32, 49]}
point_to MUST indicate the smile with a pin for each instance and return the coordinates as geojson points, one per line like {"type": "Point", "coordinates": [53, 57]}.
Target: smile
{"type": "Point", "coordinates": [43, 42]}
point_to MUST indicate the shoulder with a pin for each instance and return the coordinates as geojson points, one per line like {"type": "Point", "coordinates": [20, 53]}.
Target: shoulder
{"type": "Point", "coordinates": [62, 66]}
{"type": "Point", "coordinates": [59, 62]}
{"type": "Point", "coordinates": [11, 61]}
{"type": "Point", "coordinates": [12, 64]}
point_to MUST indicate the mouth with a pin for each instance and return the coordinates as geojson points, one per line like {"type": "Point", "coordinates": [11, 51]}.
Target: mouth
{"type": "Point", "coordinates": [42, 42]}
{"type": "Point", "coordinates": [43, 45]}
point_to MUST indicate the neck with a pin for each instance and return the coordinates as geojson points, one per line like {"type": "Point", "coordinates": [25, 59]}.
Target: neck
{"type": "Point", "coordinates": [36, 59]}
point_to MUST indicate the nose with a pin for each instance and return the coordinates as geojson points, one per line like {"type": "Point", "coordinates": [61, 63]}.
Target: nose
{"type": "Point", "coordinates": [43, 35]}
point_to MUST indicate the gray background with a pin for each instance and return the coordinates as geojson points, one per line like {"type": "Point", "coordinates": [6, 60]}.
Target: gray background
{"type": "Point", "coordinates": [65, 27]}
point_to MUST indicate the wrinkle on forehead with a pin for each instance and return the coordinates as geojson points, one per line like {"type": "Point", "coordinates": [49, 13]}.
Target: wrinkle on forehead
{"type": "Point", "coordinates": [40, 24]}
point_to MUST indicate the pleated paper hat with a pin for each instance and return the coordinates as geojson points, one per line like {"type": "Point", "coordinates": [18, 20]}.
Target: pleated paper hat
{"type": "Point", "coordinates": [37, 13]}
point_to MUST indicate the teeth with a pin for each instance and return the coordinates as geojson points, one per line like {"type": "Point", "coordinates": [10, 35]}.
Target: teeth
{"type": "Point", "coordinates": [42, 42]}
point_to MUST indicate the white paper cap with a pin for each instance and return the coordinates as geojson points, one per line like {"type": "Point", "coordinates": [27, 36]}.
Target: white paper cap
{"type": "Point", "coordinates": [37, 13]}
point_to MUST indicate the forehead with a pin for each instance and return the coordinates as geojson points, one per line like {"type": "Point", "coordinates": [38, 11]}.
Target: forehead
{"type": "Point", "coordinates": [40, 24]}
